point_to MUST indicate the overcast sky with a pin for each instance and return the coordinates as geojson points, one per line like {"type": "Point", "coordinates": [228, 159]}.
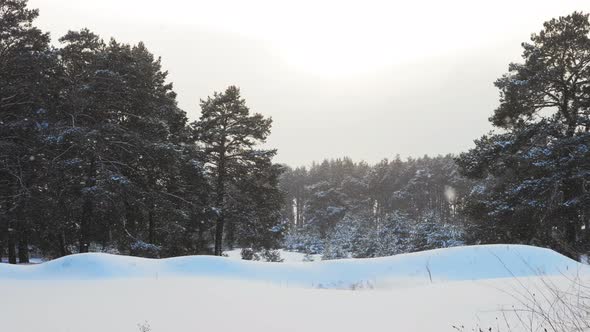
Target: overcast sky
{"type": "Point", "coordinates": [365, 79]}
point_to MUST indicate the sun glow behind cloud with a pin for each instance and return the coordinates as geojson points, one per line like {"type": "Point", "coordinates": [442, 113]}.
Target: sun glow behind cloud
{"type": "Point", "coordinates": [340, 38]}
{"type": "Point", "coordinates": [337, 38]}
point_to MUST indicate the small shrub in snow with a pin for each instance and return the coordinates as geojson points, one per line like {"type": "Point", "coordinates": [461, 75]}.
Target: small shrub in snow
{"type": "Point", "coordinates": [360, 285]}
{"type": "Point", "coordinates": [308, 258]}
{"type": "Point", "coordinates": [270, 255]}
{"type": "Point", "coordinates": [304, 241]}
{"type": "Point", "coordinates": [143, 249]}
{"type": "Point", "coordinates": [144, 327]}
{"type": "Point", "coordinates": [249, 254]}
{"type": "Point", "coordinates": [267, 255]}
{"type": "Point", "coordinates": [111, 249]}
{"type": "Point", "coordinates": [341, 243]}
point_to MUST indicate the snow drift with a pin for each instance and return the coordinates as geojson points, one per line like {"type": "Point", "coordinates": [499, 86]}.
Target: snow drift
{"type": "Point", "coordinates": [450, 264]}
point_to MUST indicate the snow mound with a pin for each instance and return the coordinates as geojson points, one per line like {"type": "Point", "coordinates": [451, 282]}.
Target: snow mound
{"type": "Point", "coordinates": [450, 264]}
{"type": "Point", "coordinates": [286, 256]}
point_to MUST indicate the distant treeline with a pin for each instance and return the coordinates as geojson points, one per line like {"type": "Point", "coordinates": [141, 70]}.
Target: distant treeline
{"type": "Point", "coordinates": [529, 182]}
{"type": "Point", "coordinates": [345, 209]}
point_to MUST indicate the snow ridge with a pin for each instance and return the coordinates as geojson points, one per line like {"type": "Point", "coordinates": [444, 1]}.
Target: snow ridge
{"type": "Point", "coordinates": [449, 264]}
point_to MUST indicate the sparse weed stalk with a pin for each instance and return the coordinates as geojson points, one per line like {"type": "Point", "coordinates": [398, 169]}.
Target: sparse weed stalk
{"type": "Point", "coordinates": [544, 305]}
{"type": "Point", "coordinates": [144, 327]}
{"type": "Point", "coordinates": [361, 285]}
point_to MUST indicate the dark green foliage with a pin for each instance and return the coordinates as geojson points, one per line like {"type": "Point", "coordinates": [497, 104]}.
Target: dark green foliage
{"type": "Point", "coordinates": [533, 177]}
{"type": "Point", "coordinates": [26, 64]}
{"type": "Point", "coordinates": [248, 254]}
{"type": "Point", "coordinates": [244, 180]}
{"type": "Point", "coordinates": [96, 155]}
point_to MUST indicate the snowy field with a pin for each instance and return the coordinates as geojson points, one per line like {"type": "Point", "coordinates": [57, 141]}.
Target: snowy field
{"type": "Point", "coordinates": [31, 260]}
{"type": "Point", "coordinates": [286, 256]}
{"type": "Point", "coordinates": [428, 291]}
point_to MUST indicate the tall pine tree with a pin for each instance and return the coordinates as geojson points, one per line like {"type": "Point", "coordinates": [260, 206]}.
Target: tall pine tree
{"type": "Point", "coordinates": [534, 176]}
{"type": "Point", "coordinates": [229, 135]}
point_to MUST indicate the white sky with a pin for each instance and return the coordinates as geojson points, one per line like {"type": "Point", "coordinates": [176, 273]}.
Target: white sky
{"type": "Point", "coordinates": [366, 79]}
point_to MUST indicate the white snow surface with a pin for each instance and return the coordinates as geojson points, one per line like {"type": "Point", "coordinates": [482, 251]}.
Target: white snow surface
{"type": "Point", "coordinates": [286, 256]}
{"type": "Point", "coordinates": [449, 264]}
{"type": "Point", "coordinates": [100, 292]}
{"type": "Point", "coordinates": [32, 260]}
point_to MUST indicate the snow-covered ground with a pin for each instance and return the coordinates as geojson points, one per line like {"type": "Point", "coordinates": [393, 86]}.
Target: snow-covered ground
{"type": "Point", "coordinates": [428, 291]}
{"type": "Point", "coordinates": [286, 256]}
{"type": "Point", "coordinates": [33, 260]}
{"type": "Point", "coordinates": [433, 266]}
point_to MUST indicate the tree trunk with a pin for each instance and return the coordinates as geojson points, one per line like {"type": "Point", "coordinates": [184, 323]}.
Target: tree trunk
{"type": "Point", "coordinates": [230, 237]}
{"type": "Point", "coordinates": [219, 202]}
{"type": "Point", "coordinates": [87, 209]}
{"type": "Point", "coordinates": [86, 215]}
{"type": "Point", "coordinates": [22, 233]}
{"type": "Point", "coordinates": [586, 236]}
{"type": "Point", "coordinates": [570, 218]}
{"type": "Point", "coordinates": [62, 245]}
{"type": "Point", "coordinates": [61, 210]}
{"type": "Point", "coordinates": [299, 208]}
{"type": "Point", "coordinates": [151, 225]}
{"type": "Point", "coordinates": [8, 235]}
{"type": "Point", "coordinates": [219, 235]}
{"type": "Point", "coordinates": [151, 208]}
{"type": "Point", "coordinates": [23, 249]}
{"type": "Point", "coordinates": [570, 241]}
{"type": "Point", "coordinates": [199, 246]}
{"type": "Point", "coordinates": [130, 219]}
{"type": "Point", "coordinates": [11, 246]}
{"type": "Point", "coordinates": [3, 235]}
{"type": "Point", "coordinates": [220, 220]}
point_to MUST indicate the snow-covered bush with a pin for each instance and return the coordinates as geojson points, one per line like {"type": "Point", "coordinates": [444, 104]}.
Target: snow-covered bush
{"type": "Point", "coordinates": [397, 233]}
{"type": "Point", "coordinates": [394, 235]}
{"type": "Point", "coordinates": [430, 233]}
{"type": "Point", "coordinates": [249, 254]}
{"type": "Point", "coordinates": [144, 327]}
{"type": "Point", "coordinates": [304, 240]}
{"type": "Point", "coordinates": [270, 255]}
{"type": "Point", "coordinates": [340, 244]}
{"type": "Point", "coordinates": [267, 255]}
{"type": "Point", "coordinates": [308, 258]}
{"type": "Point", "coordinates": [109, 249]}
{"type": "Point", "coordinates": [144, 249]}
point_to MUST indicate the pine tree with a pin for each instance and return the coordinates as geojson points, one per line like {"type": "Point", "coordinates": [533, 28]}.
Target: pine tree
{"type": "Point", "coordinates": [533, 177]}
{"type": "Point", "coordinates": [26, 62]}
{"type": "Point", "coordinates": [256, 207]}
{"type": "Point", "coordinates": [94, 152]}
{"type": "Point", "coordinates": [229, 134]}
